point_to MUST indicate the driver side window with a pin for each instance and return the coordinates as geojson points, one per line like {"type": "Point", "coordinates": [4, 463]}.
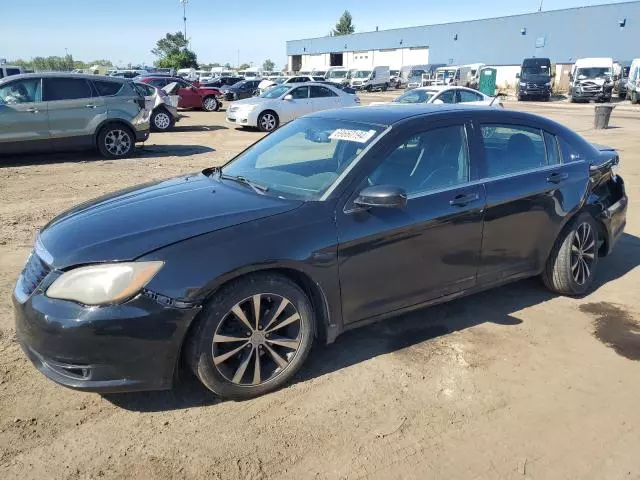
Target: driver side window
{"type": "Point", "coordinates": [300, 93]}
{"type": "Point", "coordinates": [431, 160]}
{"type": "Point", "coordinates": [22, 91]}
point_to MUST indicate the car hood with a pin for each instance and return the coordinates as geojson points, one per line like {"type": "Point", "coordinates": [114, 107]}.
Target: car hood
{"type": "Point", "coordinates": [128, 224]}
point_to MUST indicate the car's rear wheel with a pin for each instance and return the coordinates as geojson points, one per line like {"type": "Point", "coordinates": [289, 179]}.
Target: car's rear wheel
{"type": "Point", "coordinates": [211, 104]}
{"type": "Point", "coordinates": [268, 121]}
{"type": "Point", "coordinates": [252, 337]}
{"type": "Point", "coordinates": [161, 120]}
{"type": "Point", "coordinates": [572, 264]}
{"type": "Point", "coordinates": [116, 141]}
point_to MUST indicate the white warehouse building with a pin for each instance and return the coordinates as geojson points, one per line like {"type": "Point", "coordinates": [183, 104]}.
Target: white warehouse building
{"type": "Point", "coordinates": [611, 30]}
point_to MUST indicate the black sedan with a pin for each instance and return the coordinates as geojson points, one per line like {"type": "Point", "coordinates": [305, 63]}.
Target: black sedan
{"type": "Point", "coordinates": [336, 219]}
{"type": "Point", "coordinates": [240, 90]}
{"type": "Point", "coordinates": [220, 82]}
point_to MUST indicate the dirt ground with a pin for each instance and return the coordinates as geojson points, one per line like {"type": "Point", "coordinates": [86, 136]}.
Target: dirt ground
{"type": "Point", "coordinates": [511, 383]}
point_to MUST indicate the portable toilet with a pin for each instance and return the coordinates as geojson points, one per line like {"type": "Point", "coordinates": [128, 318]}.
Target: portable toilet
{"type": "Point", "coordinates": [488, 81]}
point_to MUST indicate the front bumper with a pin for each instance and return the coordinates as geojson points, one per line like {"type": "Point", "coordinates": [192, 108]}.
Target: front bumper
{"type": "Point", "coordinates": [579, 94]}
{"type": "Point", "coordinates": [120, 348]}
{"type": "Point", "coordinates": [142, 135]}
{"type": "Point", "coordinates": [535, 92]}
{"type": "Point", "coordinates": [243, 118]}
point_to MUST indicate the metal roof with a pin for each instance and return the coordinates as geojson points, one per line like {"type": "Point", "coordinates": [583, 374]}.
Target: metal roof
{"type": "Point", "coordinates": [611, 30]}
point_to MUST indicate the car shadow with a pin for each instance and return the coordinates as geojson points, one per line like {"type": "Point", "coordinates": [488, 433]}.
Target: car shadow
{"type": "Point", "coordinates": [197, 128]}
{"type": "Point", "coordinates": [495, 306]}
{"type": "Point", "coordinates": [80, 156]}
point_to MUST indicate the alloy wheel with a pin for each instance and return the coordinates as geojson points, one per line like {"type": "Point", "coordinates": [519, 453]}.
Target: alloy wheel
{"type": "Point", "coordinates": [583, 253]}
{"type": "Point", "coordinates": [257, 339]}
{"type": "Point", "coordinates": [268, 122]}
{"type": "Point", "coordinates": [117, 142]}
{"type": "Point", "coordinates": [210, 104]}
{"type": "Point", "coordinates": [162, 121]}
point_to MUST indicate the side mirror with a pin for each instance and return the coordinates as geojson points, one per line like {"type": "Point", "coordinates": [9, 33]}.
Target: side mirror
{"type": "Point", "coordinates": [553, 75]}
{"type": "Point", "coordinates": [437, 101]}
{"type": "Point", "coordinates": [571, 76]}
{"type": "Point", "coordinates": [382, 196]}
{"type": "Point", "coordinates": [288, 97]}
{"type": "Point", "coordinates": [517, 75]}
{"type": "Point", "coordinates": [194, 89]}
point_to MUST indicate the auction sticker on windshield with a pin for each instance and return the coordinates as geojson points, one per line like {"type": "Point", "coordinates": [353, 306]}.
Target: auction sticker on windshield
{"type": "Point", "coordinates": [359, 136]}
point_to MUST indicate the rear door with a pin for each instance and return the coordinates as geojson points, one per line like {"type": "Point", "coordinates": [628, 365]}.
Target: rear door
{"type": "Point", "coordinates": [467, 96]}
{"type": "Point", "coordinates": [530, 193]}
{"type": "Point", "coordinates": [74, 109]}
{"type": "Point", "coordinates": [298, 106]}
{"type": "Point", "coordinates": [23, 116]}
{"type": "Point", "coordinates": [323, 98]}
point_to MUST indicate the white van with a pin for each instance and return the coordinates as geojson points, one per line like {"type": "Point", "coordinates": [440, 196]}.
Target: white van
{"type": "Point", "coordinates": [633, 82]}
{"type": "Point", "coordinates": [189, 74]}
{"type": "Point", "coordinates": [448, 75]}
{"type": "Point", "coordinates": [337, 75]}
{"type": "Point", "coordinates": [591, 79]}
{"type": "Point", "coordinates": [470, 75]}
{"type": "Point", "coordinates": [252, 74]}
{"type": "Point", "coordinates": [376, 79]}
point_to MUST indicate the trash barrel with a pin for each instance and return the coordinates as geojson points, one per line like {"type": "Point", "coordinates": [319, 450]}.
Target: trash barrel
{"type": "Point", "coordinates": [603, 114]}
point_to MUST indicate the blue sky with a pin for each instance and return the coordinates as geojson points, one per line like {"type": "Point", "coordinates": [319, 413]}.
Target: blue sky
{"type": "Point", "coordinates": [125, 31]}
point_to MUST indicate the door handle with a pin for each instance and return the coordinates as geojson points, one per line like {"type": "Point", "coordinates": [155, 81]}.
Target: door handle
{"type": "Point", "coordinates": [463, 200]}
{"type": "Point", "coordinates": [91, 105]}
{"type": "Point", "coordinates": [557, 177]}
{"type": "Point", "coordinates": [33, 110]}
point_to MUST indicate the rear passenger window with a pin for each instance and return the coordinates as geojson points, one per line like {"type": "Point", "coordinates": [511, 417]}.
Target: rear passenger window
{"type": "Point", "coordinates": [553, 151]}
{"type": "Point", "coordinates": [511, 149]}
{"type": "Point", "coordinates": [107, 89]}
{"type": "Point", "coordinates": [570, 153]}
{"type": "Point", "coordinates": [65, 89]}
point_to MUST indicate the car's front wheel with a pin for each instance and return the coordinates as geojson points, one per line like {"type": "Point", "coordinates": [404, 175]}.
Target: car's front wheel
{"type": "Point", "coordinates": [268, 121]}
{"type": "Point", "coordinates": [116, 141]}
{"type": "Point", "coordinates": [161, 120]}
{"type": "Point", "coordinates": [211, 104]}
{"type": "Point", "coordinates": [571, 266]}
{"type": "Point", "coordinates": [252, 337]}
{"type": "Point", "coordinates": [634, 97]}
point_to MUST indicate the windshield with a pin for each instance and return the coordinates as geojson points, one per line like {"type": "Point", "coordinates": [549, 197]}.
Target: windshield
{"type": "Point", "coordinates": [394, 73]}
{"type": "Point", "coordinates": [445, 73]}
{"type": "Point", "coordinates": [416, 73]}
{"type": "Point", "coordinates": [594, 72]}
{"type": "Point", "coordinates": [362, 74]}
{"type": "Point", "coordinates": [304, 158]}
{"type": "Point", "coordinates": [416, 96]}
{"type": "Point", "coordinates": [337, 74]}
{"type": "Point", "coordinates": [535, 70]}
{"type": "Point", "coordinates": [276, 92]}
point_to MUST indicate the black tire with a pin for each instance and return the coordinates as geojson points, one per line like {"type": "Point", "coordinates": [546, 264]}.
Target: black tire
{"type": "Point", "coordinates": [268, 121]}
{"type": "Point", "coordinates": [634, 97]}
{"type": "Point", "coordinates": [162, 120]}
{"type": "Point", "coordinates": [116, 140]}
{"type": "Point", "coordinates": [564, 272]}
{"type": "Point", "coordinates": [520, 99]}
{"type": "Point", "coordinates": [206, 357]}
{"type": "Point", "coordinates": [210, 104]}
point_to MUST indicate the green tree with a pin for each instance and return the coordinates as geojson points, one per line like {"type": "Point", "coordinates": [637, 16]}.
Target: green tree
{"type": "Point", "coordinates": [227, 65]}
{"type": "Point", "coordinates": [268, 65]}
{"type": "Point", "coordinates": [345, 25]}
{"type": "Point", "coordinates": [244, 66]}
{"type": "Point", "coordinates": [172, 52]}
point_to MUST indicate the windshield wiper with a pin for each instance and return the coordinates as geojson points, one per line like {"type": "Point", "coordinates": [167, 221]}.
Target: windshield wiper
{"type": "Point", "coordinates": [256, 187]}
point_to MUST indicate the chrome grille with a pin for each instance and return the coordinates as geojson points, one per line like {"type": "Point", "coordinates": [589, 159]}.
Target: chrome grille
{"type": "Point", "coordinates": [32, 275]}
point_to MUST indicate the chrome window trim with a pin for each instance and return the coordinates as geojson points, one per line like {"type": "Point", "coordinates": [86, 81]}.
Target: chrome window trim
{"type": "Point", "coordinates": [491, 179]}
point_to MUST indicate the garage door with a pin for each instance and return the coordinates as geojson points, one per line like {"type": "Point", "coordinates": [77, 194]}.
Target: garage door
{"type": "Point", "coordinates": [391, 58]}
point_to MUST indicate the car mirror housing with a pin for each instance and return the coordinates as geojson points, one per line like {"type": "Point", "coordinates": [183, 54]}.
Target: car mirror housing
{"type": "Point", "coordinates": [437, 101]}
{"type": "Point", "coordinates": [288, 97]}
{"type": "Point", "coordinates": [517, 75]}
{"type": "Point", "coordinates": [382, 196]}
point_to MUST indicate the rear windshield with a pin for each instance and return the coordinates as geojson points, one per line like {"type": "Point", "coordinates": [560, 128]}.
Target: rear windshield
{"type": "Point", "coordinates": [106, 88]}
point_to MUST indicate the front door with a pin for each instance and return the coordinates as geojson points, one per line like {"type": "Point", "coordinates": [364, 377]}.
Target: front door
{"type": "Point", "coordinates": [23, 116]}
{"type": "Point", "coordinates": [74, 110]}
{"type": "Point", "coordinates": [297, 106]}
{"type": "Point", "coordinates": [391, 259]}
{"type": "Point", "coordinates": [189, 96]}
{"type": "Point", "coordinates": [529, 195]}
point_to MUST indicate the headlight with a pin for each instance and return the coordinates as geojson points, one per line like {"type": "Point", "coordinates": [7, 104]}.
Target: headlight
{"type": "Point", "coordinates": [103, 284]}
{"type": "Point", "coordinates": [523, 84]}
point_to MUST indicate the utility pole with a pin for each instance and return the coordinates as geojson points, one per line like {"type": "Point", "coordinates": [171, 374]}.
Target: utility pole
{"type": "Point", "coordinates": [540, 7]}
{"type": "Point", "coordinates": [184, 18]}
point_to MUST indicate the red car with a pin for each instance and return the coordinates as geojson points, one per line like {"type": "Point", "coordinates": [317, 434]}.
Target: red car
{"type": "Point", "coordinates": [191, 96]}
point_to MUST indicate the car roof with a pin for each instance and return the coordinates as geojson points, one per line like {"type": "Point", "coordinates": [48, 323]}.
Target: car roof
{"type": "Point", "coordinates": [389, 114]}
{"type": "Point", "coordinates": [86, 76]}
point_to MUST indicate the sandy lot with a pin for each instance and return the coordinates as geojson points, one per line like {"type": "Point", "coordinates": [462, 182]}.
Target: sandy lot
{"type": "Point", "coordinates": [511, 383]}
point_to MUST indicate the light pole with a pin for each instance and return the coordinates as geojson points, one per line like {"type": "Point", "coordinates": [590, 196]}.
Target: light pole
{"type": "Point", "coordinates": [184, 18]}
